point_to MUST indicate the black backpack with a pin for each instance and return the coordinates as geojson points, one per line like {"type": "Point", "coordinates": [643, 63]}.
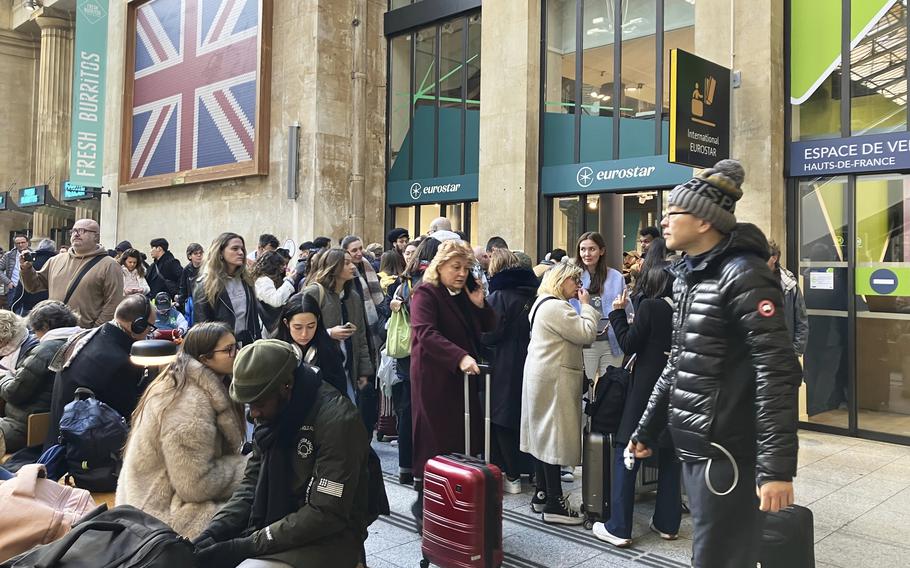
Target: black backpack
{"type": "Point", "coordinates": [610, 394]}
{"type": "Point", "coordinates": [119, 538]}
{"type": "Point", "coordinates": [93, 436]}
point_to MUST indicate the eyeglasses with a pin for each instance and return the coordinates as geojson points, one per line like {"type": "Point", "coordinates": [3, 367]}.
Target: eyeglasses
{"type": "Point", "coordinates": [83, 231]}
{"type": "Point", "coordinates": [231, 350]}
{"type": "Point", "coordinates": [670, 214]}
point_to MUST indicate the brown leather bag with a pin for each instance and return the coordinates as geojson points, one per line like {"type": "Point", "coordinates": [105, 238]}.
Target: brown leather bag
{"type": "Point", "coordinates": [35, 510]}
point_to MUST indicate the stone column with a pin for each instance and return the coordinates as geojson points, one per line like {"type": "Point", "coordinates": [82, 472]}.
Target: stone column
{"type": "Point", "coordinates": [757, 107]}
{"type": "Point", "coordinates": [509, 123]}
{"type": "Point", "coordinates": [55, 87]}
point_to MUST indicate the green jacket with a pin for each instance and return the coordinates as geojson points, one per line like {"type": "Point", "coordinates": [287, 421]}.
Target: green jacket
{"type": "Point", "coordinates": [327, 530]}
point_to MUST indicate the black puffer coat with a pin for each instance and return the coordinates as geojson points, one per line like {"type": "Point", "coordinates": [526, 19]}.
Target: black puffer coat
{"type": "Point", "coordinates": [732, 376]}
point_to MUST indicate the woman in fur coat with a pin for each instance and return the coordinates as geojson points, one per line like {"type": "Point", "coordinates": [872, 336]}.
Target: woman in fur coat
{"type": "Point", "coordinates": [182, 459]}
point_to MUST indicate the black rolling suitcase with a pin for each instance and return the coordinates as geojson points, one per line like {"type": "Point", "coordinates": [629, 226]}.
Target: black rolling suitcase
{"type": "Point", "coordinates": [788, 539]}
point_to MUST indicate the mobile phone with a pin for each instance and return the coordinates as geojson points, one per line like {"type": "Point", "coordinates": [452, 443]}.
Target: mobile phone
{"type": "Point", "coordinates": [349, 325]}
{"type": "Point", "coordinates": [471, 283]}
{"type": "Point", "coordinates": [28, 256]}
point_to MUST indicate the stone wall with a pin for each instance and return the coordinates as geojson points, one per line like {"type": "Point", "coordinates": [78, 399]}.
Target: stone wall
{"type": "Point", "coordinates": [757, 109]}
{"type": "Point", "coordinates": [311, 85]}
{"type": "Point", "coordinates": [18, 91]}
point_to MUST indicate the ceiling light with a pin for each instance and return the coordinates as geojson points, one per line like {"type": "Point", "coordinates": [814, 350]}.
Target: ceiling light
{"type": "Point", "coordinates": [152, 352]}
{"type": "Point", "coordinates": [594, 94]}
{"type": "Point", "coordinates": [597, 20]}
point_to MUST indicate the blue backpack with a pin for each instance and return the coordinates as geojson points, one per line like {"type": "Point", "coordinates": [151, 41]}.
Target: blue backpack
{"type": "Point", "coordinates": [92, 436]}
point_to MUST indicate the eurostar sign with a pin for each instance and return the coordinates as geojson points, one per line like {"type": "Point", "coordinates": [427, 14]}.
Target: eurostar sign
{"type": "Point", "coordinates": [432, 190]}
{"type": "Point", "coordinates": [614, 175]}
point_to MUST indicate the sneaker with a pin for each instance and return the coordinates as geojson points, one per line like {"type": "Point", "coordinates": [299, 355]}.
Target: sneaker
{"type": "Point", "coordinates": [394, 443]}
{"type": "Point", "coordinates": [512, 486]}
{"type": "Point", "coordinates": [539, 501]}
{"type": "Point", "coordinates": [601, 533]}
{"type": "Point", "coordinates": [561, 514]}
{"type": "Point", "coordinates": [663, 535]}
{"type": "Point", "coordinates": [567, 476]}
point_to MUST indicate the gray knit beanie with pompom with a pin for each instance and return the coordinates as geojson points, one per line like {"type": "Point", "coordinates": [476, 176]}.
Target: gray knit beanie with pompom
{"type": "Point", "coordinates": [712, 194]}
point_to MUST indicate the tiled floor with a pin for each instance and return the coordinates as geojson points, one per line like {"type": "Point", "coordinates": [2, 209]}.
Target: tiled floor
{"type": "Point", "coordinates": [858, 490]}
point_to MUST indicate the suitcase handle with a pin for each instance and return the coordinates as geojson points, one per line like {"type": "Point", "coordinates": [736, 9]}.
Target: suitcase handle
{"type": "Point", "coordinates": [63, 545]}
{"type": "Point", "coordinates": [485, 371]}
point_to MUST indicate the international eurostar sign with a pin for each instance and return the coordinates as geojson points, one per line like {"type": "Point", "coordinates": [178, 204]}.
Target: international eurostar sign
{"type": "Point", "coordinates": [872, 153]}
{"type": "Point", "coordinates": [614, 175]}
{"type": "Point", "coordinates": [699, 110]}
{"type": "Point", "coordinates": [89, 67]}
{"type": "Point", "coordinates": [432, 190]}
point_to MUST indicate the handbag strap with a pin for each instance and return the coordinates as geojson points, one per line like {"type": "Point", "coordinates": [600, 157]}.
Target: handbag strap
{"type": "Point", "coordinates": [88, 266]}
{"type": "Point", "coordinates": [537, 309]}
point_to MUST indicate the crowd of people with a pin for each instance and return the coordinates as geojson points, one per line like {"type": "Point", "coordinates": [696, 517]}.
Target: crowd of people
{"type": "Point", "coordinates": [293, 341]}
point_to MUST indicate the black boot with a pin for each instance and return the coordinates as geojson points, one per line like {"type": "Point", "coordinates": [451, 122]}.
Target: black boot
{"type": "Point", "coordinates": [417, 507]}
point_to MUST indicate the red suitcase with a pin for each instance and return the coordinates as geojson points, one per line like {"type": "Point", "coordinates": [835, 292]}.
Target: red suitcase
{"type": "Point", "coordinates": [387, 425]}
{"type": "Point", "coordinates": [462, 503]}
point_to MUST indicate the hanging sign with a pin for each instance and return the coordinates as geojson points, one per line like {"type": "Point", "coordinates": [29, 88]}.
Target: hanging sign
{"type": "Point", "coordinates": [89, 67]}
{"type": "Point", "coordinates": [33, 196]}
{"type": "Point", "coordinates": [699, 110]}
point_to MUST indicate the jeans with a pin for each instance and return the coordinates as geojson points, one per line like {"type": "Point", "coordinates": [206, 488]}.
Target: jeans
{"type": "Point", "coordinates": [727, 529]}
{"type": "Point", "coordinates": [401, 401]}
{"type": "Point", "coordinates": [667, 509]}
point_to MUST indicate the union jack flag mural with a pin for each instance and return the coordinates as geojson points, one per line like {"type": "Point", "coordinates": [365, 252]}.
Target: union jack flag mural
{"type": "Point", "coordinates": [196, 78]}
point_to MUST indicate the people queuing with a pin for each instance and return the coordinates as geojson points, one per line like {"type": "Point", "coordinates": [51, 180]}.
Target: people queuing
{"type": "Point", "coordinates": [552, 388]}
{"type": "Point", "coordinates": [513, 288]}
{"type": "Point", "coordinates": [448, 313]}
{"type": "Point", "coordinates": [648, 337]}
{"type": "Point", "coordinates": [544, 329]}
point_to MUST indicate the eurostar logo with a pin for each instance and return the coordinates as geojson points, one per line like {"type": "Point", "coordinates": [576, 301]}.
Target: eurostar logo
{"type": "Point", "coordinates": [585, 176]}
{"type": "Point", "coordinates": [415, 191]}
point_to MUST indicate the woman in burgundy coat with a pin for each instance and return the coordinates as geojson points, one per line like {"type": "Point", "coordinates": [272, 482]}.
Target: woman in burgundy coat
{"type": "Point", "coordinates": [446, 322]}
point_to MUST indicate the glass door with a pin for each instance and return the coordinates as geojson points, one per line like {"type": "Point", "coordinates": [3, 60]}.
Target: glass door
{"type": "Point", "coordinates": [823, 277]}
{"type": "Point", "coordinates": [882, 280]}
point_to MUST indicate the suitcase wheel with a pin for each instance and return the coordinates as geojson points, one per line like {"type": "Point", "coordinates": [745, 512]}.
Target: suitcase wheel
{"type": "Point", "coordinates": [589, 524]}
{"type": "Point", "coordinates": [424, 563]}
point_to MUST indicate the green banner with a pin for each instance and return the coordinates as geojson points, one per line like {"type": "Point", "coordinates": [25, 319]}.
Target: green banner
{"type": "Point", "coordinates": [815, 39]}
{"type": "Point", "coordinates": [89, 67]}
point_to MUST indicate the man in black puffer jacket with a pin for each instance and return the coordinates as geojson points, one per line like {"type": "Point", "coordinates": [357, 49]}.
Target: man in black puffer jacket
{"type": "Point", "coordinates": [729, 391]}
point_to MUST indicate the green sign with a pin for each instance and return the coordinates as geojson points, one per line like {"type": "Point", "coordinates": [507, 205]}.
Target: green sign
{"type": "Point", "coordinates": [33, 196]}
{"type": "Point", "coordinates": [3, 199]}
{"type": "Point", "coordinates": [699, 110]}
{"type": "Point", "coordinates": [432, 190]}
{"type": "Point", "coordinates": [815, 39]}
{"type": "Point", "coordinates": [75, 192]}
{"type": "Point", "coordinates": [614, 175]}
{"type": "Point", "coordinates": [882, 280]}
{"type": "Point", "coordinates": [89, 66]}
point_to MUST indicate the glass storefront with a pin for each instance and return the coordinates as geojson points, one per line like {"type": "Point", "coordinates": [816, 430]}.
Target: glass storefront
{"type": "Point", "coordinates": [434, 122]}
{"type": "Point", "coordinates": [606, 107]}
{"type": "Point", "coordinates": [850, 228]}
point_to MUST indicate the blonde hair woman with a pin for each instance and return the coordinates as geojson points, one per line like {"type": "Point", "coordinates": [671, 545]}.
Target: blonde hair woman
{"type": "Point", "coordinates": [224, 291]}
{"type": "Point", "coordinates": [553, 384]}
{"type": "Point", "coordinates": [448, 314]}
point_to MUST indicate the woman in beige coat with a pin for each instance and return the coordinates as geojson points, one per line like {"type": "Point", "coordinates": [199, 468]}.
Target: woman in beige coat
{"type": "Point", "coordinates": [182, 459]}
{"type": "Point", "coordinates": [553, 385]}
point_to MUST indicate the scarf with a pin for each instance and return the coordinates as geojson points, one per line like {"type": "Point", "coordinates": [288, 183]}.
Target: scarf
{"type": "Point", "coordinates": [372, 291]}
{"type": "Point", "coordinates": [274, 497]}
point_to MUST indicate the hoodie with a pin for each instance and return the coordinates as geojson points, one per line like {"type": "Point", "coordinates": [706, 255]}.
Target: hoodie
{"type": "Point", "coordinates": [97, 295]}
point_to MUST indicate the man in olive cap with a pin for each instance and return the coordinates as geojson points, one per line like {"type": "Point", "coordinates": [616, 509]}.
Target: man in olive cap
{"type": "Point", "coordinates": [303, 498]}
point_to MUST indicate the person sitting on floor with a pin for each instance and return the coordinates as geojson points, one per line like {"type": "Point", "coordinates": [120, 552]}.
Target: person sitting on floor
{"type": "Point", "coordinates": [304, 498]}
{"type": "Point", "coordinates": [182, 460]}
